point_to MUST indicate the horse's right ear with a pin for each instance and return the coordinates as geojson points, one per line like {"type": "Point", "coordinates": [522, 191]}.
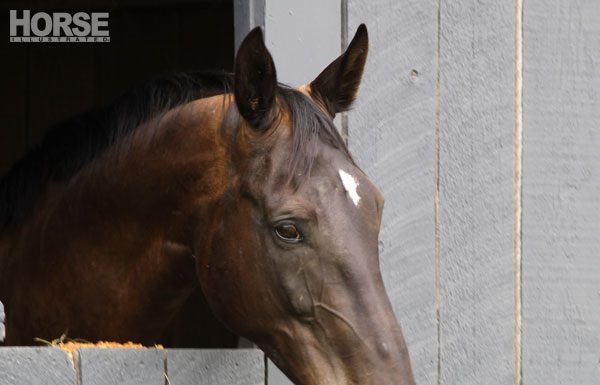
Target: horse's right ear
{"type": "Point", "coordinates": [255, 80]}
{"type": "Point", "coordinates": [336, 87]}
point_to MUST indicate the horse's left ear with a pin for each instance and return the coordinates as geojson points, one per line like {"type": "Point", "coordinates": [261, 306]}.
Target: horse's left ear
{"type": "Point", "coordinates": [255, 80]}
{"type": "Point", "coordinates": [337, 85]}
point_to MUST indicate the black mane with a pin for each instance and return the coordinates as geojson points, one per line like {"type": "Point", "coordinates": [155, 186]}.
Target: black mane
{"type": "Point", "coordinates": [69, 147]}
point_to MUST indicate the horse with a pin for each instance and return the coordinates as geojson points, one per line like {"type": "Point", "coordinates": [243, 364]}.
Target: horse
{"type": "Point", "coordinates": [201, 207]}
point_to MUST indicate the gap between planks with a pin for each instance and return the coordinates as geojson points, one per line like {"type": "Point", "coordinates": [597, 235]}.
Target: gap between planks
{"type": "Point", "coordinates": [518, 140]}
{"type": "Point", "coordinates": [436, 198]}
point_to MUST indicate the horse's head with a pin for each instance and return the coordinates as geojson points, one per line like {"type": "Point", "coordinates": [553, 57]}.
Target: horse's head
{"type": "Point", "coordinates": [292, 253]}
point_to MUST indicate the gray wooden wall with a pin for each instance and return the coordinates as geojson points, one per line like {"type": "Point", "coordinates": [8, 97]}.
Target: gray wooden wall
{"type": "Point", "coordinates": [561, 192]}
{"type": "Point", "coordinates": [94, 366]}
{"type": "Point", "coordinates": [480, 121]}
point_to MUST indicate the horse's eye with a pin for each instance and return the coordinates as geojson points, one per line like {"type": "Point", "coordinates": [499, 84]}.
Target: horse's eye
{"type": "Point", "coordinates": [288, 232]}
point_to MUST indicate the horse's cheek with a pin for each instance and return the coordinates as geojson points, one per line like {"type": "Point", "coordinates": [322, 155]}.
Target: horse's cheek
{"type": "Point", "coordinates": [296, 277]}
{"type": "Point", "coordinates": [298, 295]}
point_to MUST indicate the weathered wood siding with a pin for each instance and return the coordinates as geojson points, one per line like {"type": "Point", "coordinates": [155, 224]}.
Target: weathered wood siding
{"type": "Point", "coordinates": [561, 192]}
{"type": "Point", "coordinates": [36, 366]}
{"type": "Point", "coordinates": [391, 133]}
{"type": "Point", "coordinates": [476, 192]}
{"type": "Point", "coordinates": [93, 366]}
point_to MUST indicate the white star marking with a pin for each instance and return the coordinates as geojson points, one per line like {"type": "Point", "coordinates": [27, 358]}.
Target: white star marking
{"type": "Point", "coordinates": [350, 184]}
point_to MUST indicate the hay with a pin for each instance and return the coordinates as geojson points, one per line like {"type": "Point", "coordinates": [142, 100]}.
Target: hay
{"type": "Point", "coordinates": [70, 346]}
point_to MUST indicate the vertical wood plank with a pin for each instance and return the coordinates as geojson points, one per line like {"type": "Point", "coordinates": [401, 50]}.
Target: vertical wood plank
{"type": "Point", "coordinates": [391, 134]}
{"type": "Point", "coordinates": [247, 14]}
{"type": "Point", "coordinates": [476, 192]}
{"type": "Point", "coordinates": [561, 192]}
{"type": "Point", "coordinates": [303, 37]}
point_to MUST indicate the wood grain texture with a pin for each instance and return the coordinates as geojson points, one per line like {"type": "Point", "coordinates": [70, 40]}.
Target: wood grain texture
{"type": "Point", "coordinates": [35, 366]}
{"type": "Point", "coordinates": [561, 192]}
{"type": "Point", "coordinates": [215, 367]}
{"type": "Point", "coordinates": [303, 37]}
{"type": "Point", "coordinates": [391, 135]}
{"type": "Point", "coordinates": [121, 366]}
{"type": "Point", "coordinates": [476, 192]}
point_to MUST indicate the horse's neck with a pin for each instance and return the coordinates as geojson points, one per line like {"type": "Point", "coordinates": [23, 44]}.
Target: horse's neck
{"type": "Point", "coordinates": [119, 235]}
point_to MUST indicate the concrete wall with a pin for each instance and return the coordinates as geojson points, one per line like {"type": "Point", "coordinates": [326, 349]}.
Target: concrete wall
{"type": "Point", "coordinates": [94, 366]}
{"type": "Point", "coordinates": [480, 121]}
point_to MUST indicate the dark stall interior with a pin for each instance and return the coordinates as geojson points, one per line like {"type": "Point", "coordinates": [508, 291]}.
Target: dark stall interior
{"type": "Point", "coordinates": [42, 84]}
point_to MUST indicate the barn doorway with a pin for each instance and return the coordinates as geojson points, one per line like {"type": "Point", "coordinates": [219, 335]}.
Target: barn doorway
{"type": "Point", "coordinates": [43, 84]}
